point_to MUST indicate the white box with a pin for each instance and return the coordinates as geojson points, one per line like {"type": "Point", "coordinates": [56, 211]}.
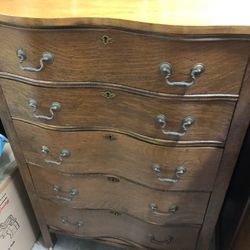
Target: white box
{"type": "Point", "coordinates": [18, 227]}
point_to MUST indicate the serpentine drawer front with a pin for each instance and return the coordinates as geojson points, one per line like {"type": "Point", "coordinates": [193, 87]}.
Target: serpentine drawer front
{"type": "Point", "coordinates": [158, 167]}
{"type": "Point", "coordinates": [127, 58]}
{"type": "Point", "coordinates": [104, 224]}
{"type": "Point", "coordinates": [126, 118]}
{"type": "Point", "coordinates": [152, 117]}
{"type": "Point", "coordinates": [157, 207]}
{"type": "Point", "coordinates": [108, 224]}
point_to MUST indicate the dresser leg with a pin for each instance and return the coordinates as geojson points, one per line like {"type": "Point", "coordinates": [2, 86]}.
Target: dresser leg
{"type": "Point", "coordinates": [49, 239]}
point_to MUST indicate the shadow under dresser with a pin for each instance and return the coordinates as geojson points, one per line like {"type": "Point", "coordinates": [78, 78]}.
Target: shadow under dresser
{"type": "Point", "coordinates": [126, 130]}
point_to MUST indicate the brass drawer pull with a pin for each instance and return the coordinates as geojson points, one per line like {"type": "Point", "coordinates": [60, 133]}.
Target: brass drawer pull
{"type": "Point", "coordinates": [55, 106]}
{"type": "Point", "coordinates": [66, 199]}
{"type": "Point", "coordinates": [63, 154]}
{"type": "Point", "coordinates": [164, 242]}
{"type": "Point", "coordinates": [172, 210]}
{"type": "Point", "coordinates": [69, 195]}
{"type": "Point", "coordinates": [166, 70]}
{"type": "Point", "coordinates": [65, 220]}
{"type": "Point", "coordinates": [178, 172]}
{"type": "Point", "coordinates": [186, 123]}
{"type": "Point", "coordinates": [46, 58]}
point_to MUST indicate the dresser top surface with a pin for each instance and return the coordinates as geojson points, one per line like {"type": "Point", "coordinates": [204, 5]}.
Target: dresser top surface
{"type": "Point", "coordinates": [180, 16]}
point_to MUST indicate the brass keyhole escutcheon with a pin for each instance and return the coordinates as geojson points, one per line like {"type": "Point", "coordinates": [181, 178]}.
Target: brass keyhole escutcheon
{"type": "Point", "coordinates": [106, 39]}
{"type": "Point", "coordinates": [107, 94]}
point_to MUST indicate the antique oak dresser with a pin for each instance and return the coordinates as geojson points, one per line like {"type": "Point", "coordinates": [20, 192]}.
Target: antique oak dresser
{"type": "Point", "coordinates": [126, 117]}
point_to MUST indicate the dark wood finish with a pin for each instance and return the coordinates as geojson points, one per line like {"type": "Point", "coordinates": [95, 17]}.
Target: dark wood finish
{"type": "Point", "coordinates": [101, 224]}
{"type": "Point", "coordinates": [110, 192]}
{"type": "Point", "coordinates": [49, 239]}
{"type": "Point", "coordinates": [86, 108]}
{"type": "Point", "coordinates": [131, 59]}
{"type": "Point", "coordinates": [113, 153]}
{"type": "Point", "coordinates": [129, 67]}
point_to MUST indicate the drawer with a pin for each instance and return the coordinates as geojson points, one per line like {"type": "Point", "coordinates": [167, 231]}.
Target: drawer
{"type": "Point", "coordinates": [128, 59]}
{"type": "Point", "coordinates": [150, 165]}
{"type": "Point", "coordinates": [141, 116]}
{"type": "Point", "coordinates": [103, 224]}
{"type": "Point", "coordinates": [106, 192]}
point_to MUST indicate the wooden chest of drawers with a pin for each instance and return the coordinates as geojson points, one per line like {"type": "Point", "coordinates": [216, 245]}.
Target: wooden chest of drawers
{"type": "Point", "coordinates": [126, 132]}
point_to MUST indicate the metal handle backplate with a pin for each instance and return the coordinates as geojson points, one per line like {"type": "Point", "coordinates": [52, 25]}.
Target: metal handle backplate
{"type": "Point", "coordinates": [166, 70]}
{"type": "Point", "coordinates": [68, 196]}
{"type": "Point", "coordinates": [64, 153]}
{"type": "Point", "coordinates": [55, 106]}
{"type": "Point", "coordinates": [186, 123]}
{"type": "Point", "coordinates": [65, 220]}
{"type": "Point", "coordinates": [171, 210]}
{"type": "Point", "coordinates": [178, 172]}
{"type": "Point", "coordinates": [46, 58]}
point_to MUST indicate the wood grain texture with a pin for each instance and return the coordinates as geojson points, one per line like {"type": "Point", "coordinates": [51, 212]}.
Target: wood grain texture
{"type": "Point", "coordinates": [49, 239]}
{"type": "Point", "coordinates": [102, 192]}
{"type": "Point", "coordinates": [181, 16]}
{"type": "Point", "coordinates": [113, 153]}
{"type": "Point", "coordinates": [101, 224]}
{"type": "Point", "coordinates": [116, 86]}
{"type": "Point", "coordinates": [210, 35]}
{"type": "Point", "coordinates": [131, 59]}
{"type": "Point", "coordinates": [87, 108]}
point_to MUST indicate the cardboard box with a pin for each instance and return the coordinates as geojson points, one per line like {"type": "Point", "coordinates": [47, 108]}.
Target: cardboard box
{"type": "Point", "coordinates": [18, 227]}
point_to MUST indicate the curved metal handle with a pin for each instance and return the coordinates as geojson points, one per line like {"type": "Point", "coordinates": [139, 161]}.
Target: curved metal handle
{"type": "Point", "coordinates": [158, 242]}
{"type": "Point", "coordinates": [172, 209]}
{"type": "Point", "coordinates": [71, 194]}
{"type": "Point", "coordinates": [186, 123]}
{"type": "Point", "coordinates": [166, 70]}
{"type": "Point", "coordinates": [55, 106]}
{"type": "Point", "coordinates": [46, 58]}
{"type": "Point", "coordinates": [63, 154]}
{"type": "Point", "coordinates": [178, 172]}
{"type": "Point", "coordinates": [65, 220]}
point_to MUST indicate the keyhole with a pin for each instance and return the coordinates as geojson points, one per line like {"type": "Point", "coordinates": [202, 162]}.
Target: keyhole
{"type": "Point", "coordinates": [113, 179]}
{"type": "Point", "coordinates": [106, 39]}
{"type": "Point", "coordinates": [110, 137]}
{"type": "Point", "coordinates": [108, 94]}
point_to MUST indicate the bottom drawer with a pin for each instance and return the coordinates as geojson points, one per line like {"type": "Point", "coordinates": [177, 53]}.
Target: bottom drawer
{"type": "Point", "coordinates": [101, 224]}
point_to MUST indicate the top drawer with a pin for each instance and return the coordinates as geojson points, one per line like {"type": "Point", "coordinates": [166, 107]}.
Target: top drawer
{"type": "Point", "coordinates": [125, 58]}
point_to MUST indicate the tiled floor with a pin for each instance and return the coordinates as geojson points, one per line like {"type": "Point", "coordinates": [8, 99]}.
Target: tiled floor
{"type": "Point", "coordinates": [68, 243]}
